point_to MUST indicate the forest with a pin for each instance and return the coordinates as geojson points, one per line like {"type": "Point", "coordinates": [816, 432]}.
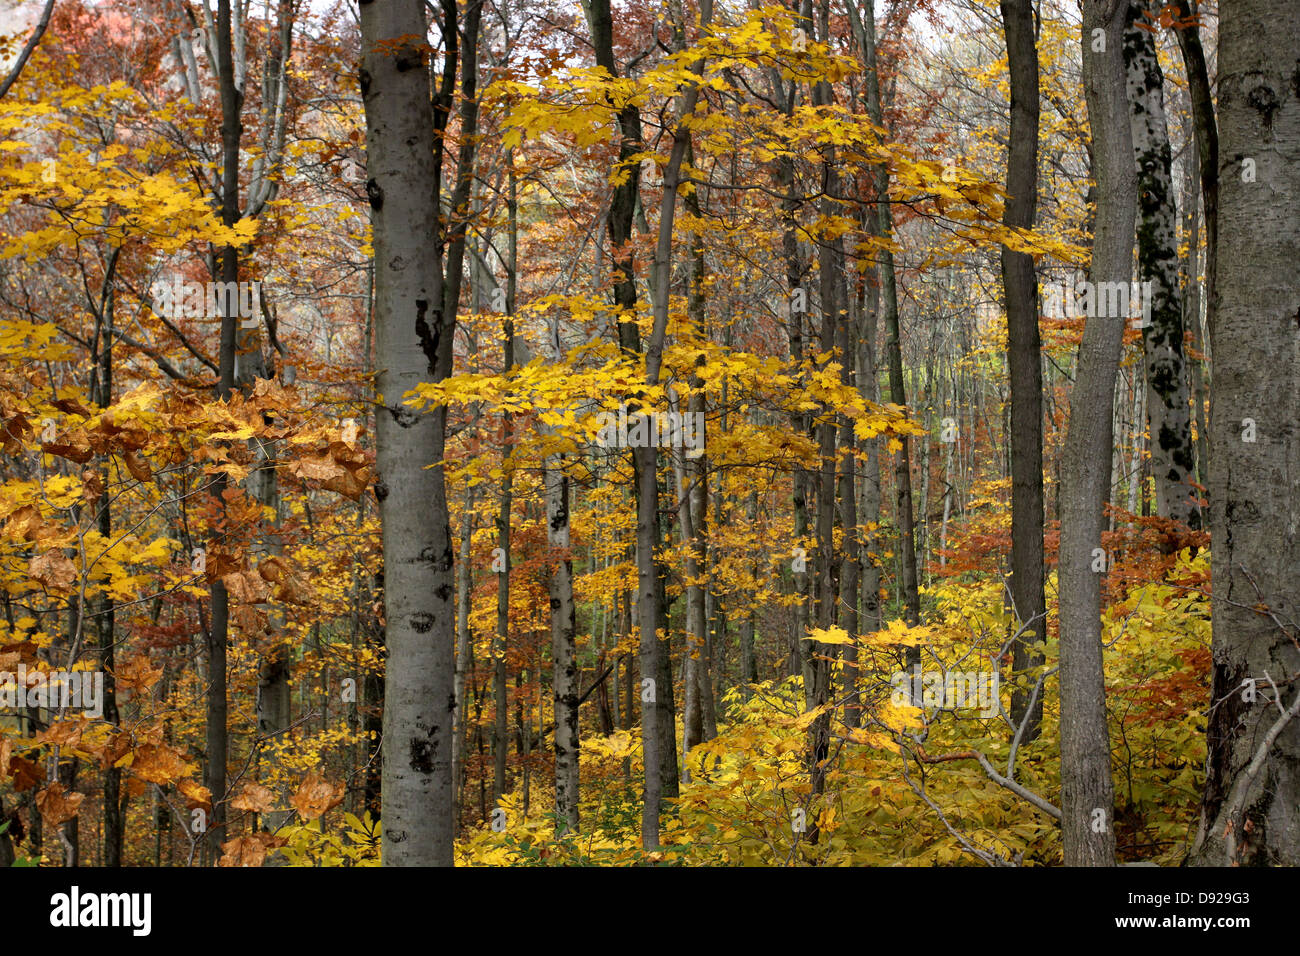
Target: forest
{"type": "Point", "coordinates": [628, 433]}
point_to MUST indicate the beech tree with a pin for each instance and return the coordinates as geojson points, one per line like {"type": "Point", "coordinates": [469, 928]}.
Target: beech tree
{"type": "Point", "coordinates": [1253, 738]}
{"type": "Point", "coordinates": [413, 341]}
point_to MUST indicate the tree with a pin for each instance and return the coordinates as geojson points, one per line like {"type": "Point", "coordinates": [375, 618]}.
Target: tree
{"type": "Point", "coordinates": [1086, 789]}
{"type": "Point", "coordinates": [1168, 411]}
{"type": "Point", "coordinates": [413, 344]}
{"type": "Point", "coordinates": [1253, 739]}
{"type": "Point", "coordinates": [1024, 359]}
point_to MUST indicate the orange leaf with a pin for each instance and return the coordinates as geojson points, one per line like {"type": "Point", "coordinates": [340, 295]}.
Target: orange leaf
{"type": "Point", "coordinates": [53, 570]}
{"type": "Point", "coordinates": [253, 797]}
{"type": "Point", "coordinates": [315, 796]}
{"type": "Point", "coordinates": [137, 673]}
{"type": "Point", "coordinates": [196, 794]}
{"type": "Point", "coordinates": [158, 764]}
{"type": "Point", "coordinates": [249, 850]}
{"type": "Point", "coordinates": [55, 807]}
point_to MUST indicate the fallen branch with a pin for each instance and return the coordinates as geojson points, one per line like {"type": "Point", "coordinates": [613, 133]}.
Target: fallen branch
{"type": "Point", "coordinates": [1024, 794]}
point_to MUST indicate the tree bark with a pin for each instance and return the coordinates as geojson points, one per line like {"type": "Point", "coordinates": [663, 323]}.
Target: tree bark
{"type": "Point", "coordinates": [414, 333]}
{"type": "Point", "coordinates": [1024, 361]}
{"type": "Point", "coordinates": [563, 630]}
{"type": "Point", "coordinates": [1187, 29]}
{"type": "Point", "coordinates": [1086, 786]}
{"type": "Point", "coordinates": [893, 344]}
{"type": "Point", "coordinates": [1168, 408]}
{"type": "Point", "coordinates": [217, 636]}
{"type": "Point", "coordinates": [1252, 788]}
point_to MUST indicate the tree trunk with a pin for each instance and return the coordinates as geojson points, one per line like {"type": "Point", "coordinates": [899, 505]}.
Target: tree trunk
{"type": "Point", "coordinates": [893, 345]}
{"type": "Point", "coordinates": [414, 335]}
{"type": "Point", "coordinates": [1187, 28]}
{"type": "Point", "coordinates": [1192, 312]}
{"type": "Point", "coordinates": [219, 622]}
{"type": "Point", "coordinates": [1252, 788]}
{"type": "Point", "coordinates": [464, 647]}
{"type": "Point", "coordinates": [563, 630]}
{"type": "Point", "coordinates": [1024, 361]}
{"type": "Point", "coordinates": [1168, 409]}
{"type": "Point", "coordinates": [1086, 786]}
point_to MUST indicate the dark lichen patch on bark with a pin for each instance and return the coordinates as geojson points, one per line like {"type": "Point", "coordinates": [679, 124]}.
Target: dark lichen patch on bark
{"type": "Point", "coordinates": [409, 57]}
{"type": "Point", "coordinates": [422, 753]}
{"type": "Point", "coordinates": [1264, 101]}
{"type": "Point", "coordinates": [428, 335]}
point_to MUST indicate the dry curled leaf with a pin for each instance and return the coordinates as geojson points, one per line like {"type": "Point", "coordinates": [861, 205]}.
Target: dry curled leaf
{"type": "Point", "coordinates": [315, 796]}
{"type": "Point", "coordinates": [26, 773]}
{"type": "Point", "coordinates": [137, 674]}
{"type": "Point", "coordinates": [249, 850]}
{"type": "Point", "coordinates": [246, 587]}
{"type": "Point", "coordinates": [253, 797]}
{"type": "Point", "coordinates": [159, 763]}
{"type": "Point", "coordinates": [63, 733]}
{"type": "Point", "coordinates": [58, 806]}
{"type": "Point", "coordinates": [53, 570]}
{"type": "Point", "coordinates": [137, 465]}
{"type": "Point", "coordinates": [196, 795]}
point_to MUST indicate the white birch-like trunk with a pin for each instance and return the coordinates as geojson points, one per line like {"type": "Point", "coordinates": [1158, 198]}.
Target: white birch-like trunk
{"type": "Point", "coordinates": [413, 345]}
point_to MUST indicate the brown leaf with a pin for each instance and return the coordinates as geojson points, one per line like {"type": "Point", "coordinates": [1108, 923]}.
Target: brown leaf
{"type": "Point", "coordinates": [56, 806]}
{"type": "Point", "coordinates": [26, 524]}
{"type": "Point", "coordinates": [218, 564]}
{"type": "Point", "coordinates": [63, 733]}
{"type": "Point", "coordinates": [118, 746]}
{"type": "Point", "coordinates": [137, 673]}
{"type": "Point", "coordinates": [6, 751]}
{"type": "Point", "coordinates": [196, 795]}
{"type": "Point", "coordinates": [53, 570]}
{"type": "Point", "coordinates": [317, 468]}
{"type": "Point", "coordinates": [315, 796]}
{"type": "Point", "coordinates": [25, 772]}
{"type": "Point", "coordinates": [92, 486]}
{"type": "Point", "coordinates": [13, 430]}
{"type": "Point", "coordinates": [249, 850]}
{"type": "Point", "coordinates": [158, 763]}
{"type": "Point", "coordinates": [350, 484]}
{"type": "Point", "coordinates": [74, 446]}
{"type": "Point", "coordinates": [246, 587]}
{"type": "Point", "coordinates": [72, 407]}
{"type": "Point", "coordinates": [268, 393]}
{"type": "Point", "coordinates": [290, 586]}
{"type": "Point", "coordinates": [137, 465]}
{"type": "Point", "coordinates": [253, 797]}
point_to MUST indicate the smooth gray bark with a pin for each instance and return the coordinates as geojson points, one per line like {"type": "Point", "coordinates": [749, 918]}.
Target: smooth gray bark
{"type": "Point", "coordinates": [1249, 815]}
{"type": "Point", "coordinates": [413, 344]}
